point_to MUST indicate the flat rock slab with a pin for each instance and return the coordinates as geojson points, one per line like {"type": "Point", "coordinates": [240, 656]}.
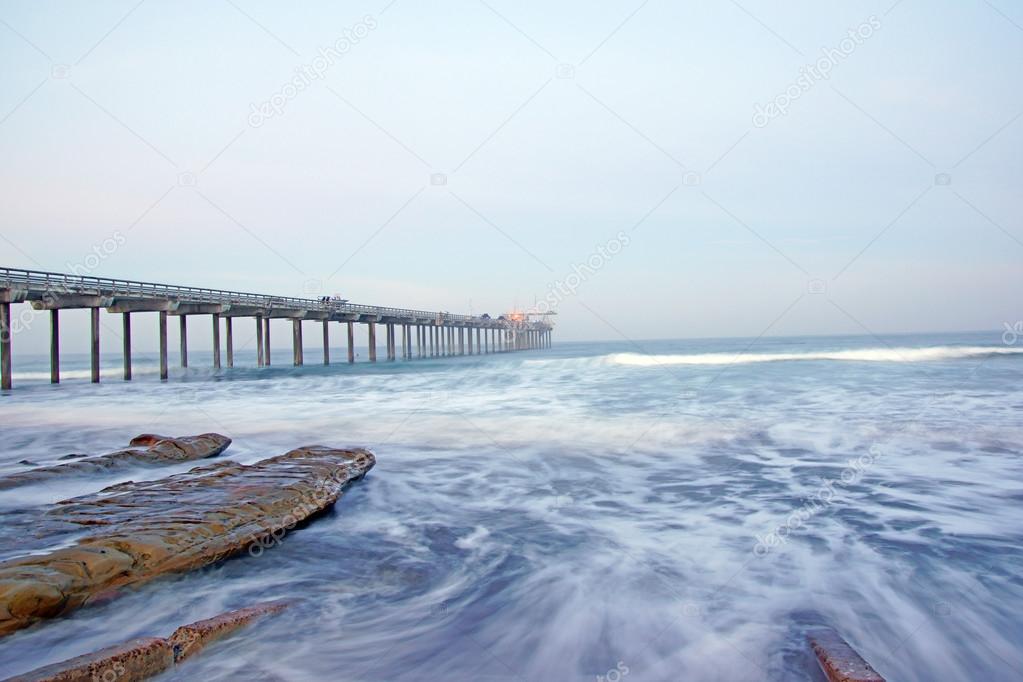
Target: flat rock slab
{"type": "Point", "coordinates": [838, 660]}
{"type": "Point", "coordinates": [133, 532]}
{"type": "Point", "coordinates": [145, 450]}
{"type": "Point", "coordinates": [140, 659]}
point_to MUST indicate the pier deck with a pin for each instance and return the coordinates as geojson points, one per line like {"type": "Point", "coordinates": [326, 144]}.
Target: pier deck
{"type": "Point", "coordinates": [423, 333]}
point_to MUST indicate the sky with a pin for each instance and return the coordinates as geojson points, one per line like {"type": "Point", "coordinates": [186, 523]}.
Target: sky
{"type": "Point", "coordinates": [644, 169]}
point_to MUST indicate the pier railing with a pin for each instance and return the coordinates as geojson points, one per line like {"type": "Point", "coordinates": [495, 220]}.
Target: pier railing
{"type": "Point", "coordinates": [87, 284]}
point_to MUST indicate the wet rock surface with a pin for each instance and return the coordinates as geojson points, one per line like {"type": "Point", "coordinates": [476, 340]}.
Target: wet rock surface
{"type": "Point", "coordinates": [144, 657]}
{"type": "Point", "coordinates": [145, 450]}
{"type": "Point", "coordinates": [133, 532]}
{"type": "Point", "coordinates": [838, 660]}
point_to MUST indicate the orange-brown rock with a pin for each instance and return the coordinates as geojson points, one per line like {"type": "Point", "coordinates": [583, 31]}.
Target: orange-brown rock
{"type": "Point", "coordinates": [189, 640]}
{"type": "Point", "coordinates": [133, 532]}
{"type": "Point", "coordinates": [838, 660]}
{"type": "Point", "coordinates": [140, 659]}
{"type": "Point", "coordinates": [144, 450]}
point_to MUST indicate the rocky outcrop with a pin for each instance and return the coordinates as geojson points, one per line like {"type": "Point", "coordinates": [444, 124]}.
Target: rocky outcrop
{"type": "Point", "coordinates": [141, 658]}
{"type": "Point", "coordinates": [133, 532]}
{"type": "Point", "coordinates": [144, 450]}
{"type": "Point", "coordinates": [838, 660]}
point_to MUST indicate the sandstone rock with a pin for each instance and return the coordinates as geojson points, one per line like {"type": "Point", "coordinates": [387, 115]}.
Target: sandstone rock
{"type": "Point", "coordinates": [189, 640]}
{"type": "Point", "coordinates": [142, 658]}
{"type": "Point", "coordinates": [838, 660]}
{"type": "Point", "coordinates": [133, 532]}
{"type": "Point", "coordinates": [145, 450]}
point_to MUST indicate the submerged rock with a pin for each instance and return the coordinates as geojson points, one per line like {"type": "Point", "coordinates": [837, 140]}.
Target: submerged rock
{"type": "Point", "coordinates": [141, 658]}
{"type": "Point", "coordinates": [144, 450]}
{"type": "Point", "coordinates": [133, 532]}
{"type": "Point", "coordinates": [838, 660]}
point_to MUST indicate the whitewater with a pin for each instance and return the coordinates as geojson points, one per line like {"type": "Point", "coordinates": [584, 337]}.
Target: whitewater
{"type": "Point", "coordinates": [674, 509]}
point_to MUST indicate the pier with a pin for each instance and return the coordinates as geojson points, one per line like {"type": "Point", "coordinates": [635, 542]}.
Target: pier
{"type": "Point", "coordinates": [408, 334]}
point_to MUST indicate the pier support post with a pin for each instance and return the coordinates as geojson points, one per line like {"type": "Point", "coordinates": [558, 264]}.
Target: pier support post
{"type": "Point", "coordinates": [390, 342]}
{"type": "Point", "coordinates": [94, 327]}
{"type": "Point", "coordinates": [326, 342]}
{"type": "Point", "coordinates": [183, 326]}
{"type": "Point", "coordinates": [479, 332]}
{"type": "Point", "coordinates": [259, 341]}
{"type": "Point", "coordinates": [230, 341]}
{"type": "Point", "coordinates": [266, 340]}
{"type": "Point", "coordinates": [372, 341]}
{"type": "Point", "coordinates": [126, 338]}
{"type": "Point", "coordinates": [461, 340]}
{"type": "Point", "coordinates": [5, 346]}
{"type": "Point", "coordinates": [406, 342]}
{"type": "Point", "coordinates": [351, 342]}
{"type": "Point", "coordinates": [429, 331]}
{"type": "Point", "coordinates": [216, 341]}
{"type": "Point", "coordinates": [296, 341]}
{"type": "Point", "coordinates": [451, 340]}
{"type": "Point", "coordinates": [54, 346]}
{"type": "Point", "coordinates": [163, 345]}
{"type": "Point", "coordinates": [419, 340]}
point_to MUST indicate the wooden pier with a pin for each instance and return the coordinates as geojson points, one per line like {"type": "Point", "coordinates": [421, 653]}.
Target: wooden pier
{"type": "Point", "coordinates": [420, 333]}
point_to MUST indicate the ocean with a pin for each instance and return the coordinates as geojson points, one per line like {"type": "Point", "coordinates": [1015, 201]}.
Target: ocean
{"type": "Point", "coordinates": [657, 510]}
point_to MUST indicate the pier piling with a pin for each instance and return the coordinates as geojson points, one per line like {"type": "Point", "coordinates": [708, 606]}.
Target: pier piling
{"type": "Point", "coordinates": [372, 341]}
{"type": "Point", "coordinates": [230, 341]}
{"type": "Point", "coordinates": [5, 346]}
{"type": "Point", "coordinates": [266, 340]}
{"type": "Point", "coordinates": [216, 341]}
{"type": "Point", "coordinates": [126, 339]}
{"type": "Point", "coordinates": [326, 342]}
{"type": "Point", "coordinates": [163, 345]}
{"type": "Point", "coordinates": [296, 341]}
{"type": "Point", "coordinates": [351, 342]}
{"type": "Point", "coordinates": [94, 328]}
{"type": "Point", "coordinates": [183, 341]}
{"type": "Point", "coordinates": [54, 346]}
{"type": "Point", "coordinates": [259, 341]}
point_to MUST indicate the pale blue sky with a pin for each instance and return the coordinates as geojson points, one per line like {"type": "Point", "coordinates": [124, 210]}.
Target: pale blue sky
{"type": "Point", "coordinates": [556, 127]}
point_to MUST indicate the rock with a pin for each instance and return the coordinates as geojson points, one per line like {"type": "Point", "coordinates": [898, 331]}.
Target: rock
{"type": "Point", "coordinates": [133, 532]}
{"type": "Point", "coordinates": [140, 659]}
{"type": "Point", "coordinates": [838, 660]}
{"type": "Point", "coordinates": [189, 640]}
{"type": "Point", "coordinates": [145, 450]}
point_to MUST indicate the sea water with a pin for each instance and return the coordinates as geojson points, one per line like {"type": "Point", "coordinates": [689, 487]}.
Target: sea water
{"type": "Point", "coordinates": [664, 510]}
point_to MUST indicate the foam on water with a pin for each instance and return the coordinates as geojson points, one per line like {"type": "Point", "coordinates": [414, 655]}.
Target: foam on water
{"type": "Point", "coordinates": [930, 354]}
{"type": "Point", "coordinates": [556, 515]}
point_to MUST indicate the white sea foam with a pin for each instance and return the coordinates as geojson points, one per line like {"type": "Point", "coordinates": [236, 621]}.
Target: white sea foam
{"type": "Point", "coordinates": [859, 355]}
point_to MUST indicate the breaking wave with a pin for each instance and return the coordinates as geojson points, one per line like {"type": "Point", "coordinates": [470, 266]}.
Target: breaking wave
{"type": "Point", "coordinates": [860, 355]}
